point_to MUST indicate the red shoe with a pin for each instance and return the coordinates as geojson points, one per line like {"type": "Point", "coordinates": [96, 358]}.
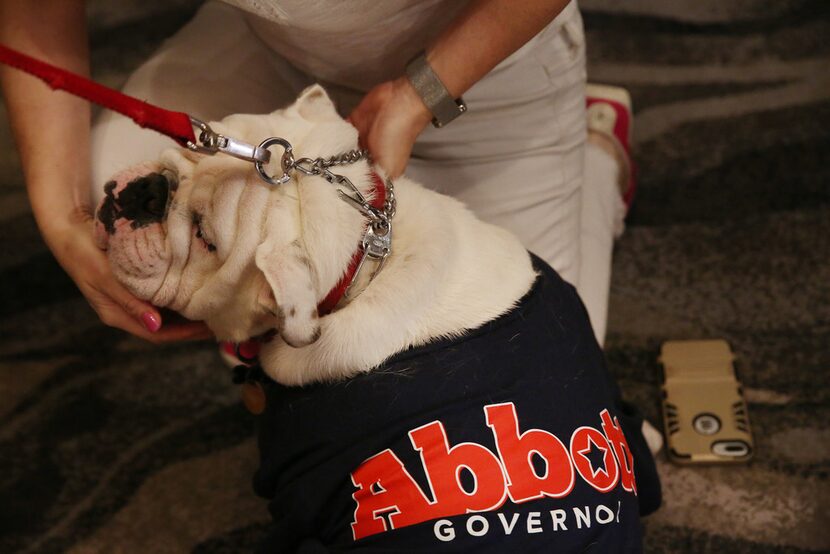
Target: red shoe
{"type": "Point", "coordinates": [609, 113]}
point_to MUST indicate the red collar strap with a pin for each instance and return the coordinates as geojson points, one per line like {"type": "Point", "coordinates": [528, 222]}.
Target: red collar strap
{"type": "Point", "coordinates": [248, 351]}
{"type": "Point", "coordinates": [336, 294]}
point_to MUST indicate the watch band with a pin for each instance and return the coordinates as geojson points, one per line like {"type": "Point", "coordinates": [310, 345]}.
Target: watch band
{"type": "Point", "coordinates": [432, 91]}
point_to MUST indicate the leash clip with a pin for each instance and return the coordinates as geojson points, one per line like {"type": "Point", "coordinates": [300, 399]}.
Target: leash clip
{"type": "Point", "coordinates": [212, 142]}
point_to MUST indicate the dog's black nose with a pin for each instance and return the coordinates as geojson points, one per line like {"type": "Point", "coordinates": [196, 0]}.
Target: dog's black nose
{"type": "Point", "coordinates": [144, 200]}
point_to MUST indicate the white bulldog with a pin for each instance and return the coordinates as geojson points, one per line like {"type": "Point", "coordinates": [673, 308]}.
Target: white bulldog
{"type": "Point", "coordinates": [206, 237]}
{"type": "Point", "coordinates": [519, 416]}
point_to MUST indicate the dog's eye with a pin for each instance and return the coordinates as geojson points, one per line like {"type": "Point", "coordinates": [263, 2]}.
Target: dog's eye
{"type": "Point", "coordinates": [197, 223]}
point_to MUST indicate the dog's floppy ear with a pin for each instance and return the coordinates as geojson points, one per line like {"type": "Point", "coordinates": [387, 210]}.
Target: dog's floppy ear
{"type": "Point", "coordinates": [290, 294]}
{"type": "Point", "coordinates": [314, 104]}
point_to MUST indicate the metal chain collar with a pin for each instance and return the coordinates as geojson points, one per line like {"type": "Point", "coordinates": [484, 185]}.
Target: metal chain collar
{"type": "Point", "coordinates": [377, 240]}
{"type": "Point", "coordinates": [211, 142]}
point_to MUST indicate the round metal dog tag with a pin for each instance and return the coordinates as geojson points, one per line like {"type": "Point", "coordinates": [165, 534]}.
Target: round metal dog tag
{"type": "Point", "coordinates": [253, 396]}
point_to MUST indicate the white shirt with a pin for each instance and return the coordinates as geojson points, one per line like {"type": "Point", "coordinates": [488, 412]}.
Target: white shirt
{"type": "Point", "coordinates": [353, 43]}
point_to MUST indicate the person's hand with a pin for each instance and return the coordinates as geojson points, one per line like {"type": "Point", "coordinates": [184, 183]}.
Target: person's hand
{"type": "Point", "coordinates": [76, 252]}
{"type": "Point", "coordinates": [388, 120]}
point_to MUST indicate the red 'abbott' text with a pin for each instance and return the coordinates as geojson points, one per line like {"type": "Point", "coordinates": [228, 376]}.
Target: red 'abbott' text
{"type": "Point", "coordinates": [385, 487]}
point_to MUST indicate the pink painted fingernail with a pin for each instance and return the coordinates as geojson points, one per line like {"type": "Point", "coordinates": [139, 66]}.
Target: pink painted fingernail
{"type": "Point", "coordinates": [151, 322]}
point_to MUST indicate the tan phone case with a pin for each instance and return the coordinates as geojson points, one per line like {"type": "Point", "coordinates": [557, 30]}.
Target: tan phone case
{"type": "Point", "coordinates": [704, 413]}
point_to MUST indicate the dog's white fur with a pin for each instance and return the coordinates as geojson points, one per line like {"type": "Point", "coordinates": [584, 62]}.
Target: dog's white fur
{"type": "Point", "coordinates": [279, 250]}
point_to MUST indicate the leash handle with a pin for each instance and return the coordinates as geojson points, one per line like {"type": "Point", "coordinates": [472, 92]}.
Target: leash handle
{"type": "Point", "coordinates": [176, 125]}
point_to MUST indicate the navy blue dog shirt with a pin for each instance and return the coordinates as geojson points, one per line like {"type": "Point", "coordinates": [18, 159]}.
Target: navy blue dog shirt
{"type": "Point", "coordinates": [512, 438]}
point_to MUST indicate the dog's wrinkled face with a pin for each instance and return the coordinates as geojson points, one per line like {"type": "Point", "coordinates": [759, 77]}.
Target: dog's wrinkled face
{"type": "Point", "coordinates": [207, 238]}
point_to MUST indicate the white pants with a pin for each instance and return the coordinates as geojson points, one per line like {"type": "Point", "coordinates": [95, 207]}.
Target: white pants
{"type": "Point", "coordinates": [518, 158]}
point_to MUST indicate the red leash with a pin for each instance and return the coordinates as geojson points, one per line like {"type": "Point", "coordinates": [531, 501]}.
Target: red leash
{"type": "Point", "coordinates": [175, 125]}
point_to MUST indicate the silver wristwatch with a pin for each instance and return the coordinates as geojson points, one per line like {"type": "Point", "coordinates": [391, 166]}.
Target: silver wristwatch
{"type": "Point", "coordinates": [432, 91]}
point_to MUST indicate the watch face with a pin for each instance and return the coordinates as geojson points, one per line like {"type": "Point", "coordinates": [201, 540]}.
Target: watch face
{"type": "Point", "coordinates": [448, 114]}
